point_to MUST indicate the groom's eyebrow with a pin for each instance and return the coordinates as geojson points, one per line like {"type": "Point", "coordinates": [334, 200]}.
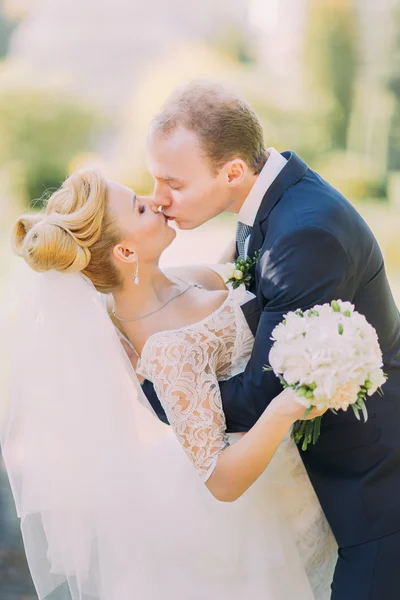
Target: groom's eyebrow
{"type": "Point", "coordinates": [134, 200]}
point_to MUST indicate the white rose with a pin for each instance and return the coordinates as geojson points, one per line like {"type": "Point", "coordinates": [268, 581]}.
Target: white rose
{"type": "Point", "coordinates": [227, 271]}
{"type": "Point", "coordinates": [337, 353]}
{"type": "Point", "coordinates": [238, 275]}
{"type": "Point", "coordinates": [345, 306]}
{"type": "Point", "coordinates": [377, 379]}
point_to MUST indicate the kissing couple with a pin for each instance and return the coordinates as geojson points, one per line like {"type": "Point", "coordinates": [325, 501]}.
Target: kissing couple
{"type": "Point", "coordinates": [162, 468]}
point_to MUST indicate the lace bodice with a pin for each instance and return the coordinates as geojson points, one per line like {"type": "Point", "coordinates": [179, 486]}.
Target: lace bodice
{"type": "Point", "coordinates": [185, 366]}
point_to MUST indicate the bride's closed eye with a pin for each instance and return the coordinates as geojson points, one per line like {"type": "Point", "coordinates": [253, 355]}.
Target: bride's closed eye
{"type": "Point", "coordinates": [142, 208]}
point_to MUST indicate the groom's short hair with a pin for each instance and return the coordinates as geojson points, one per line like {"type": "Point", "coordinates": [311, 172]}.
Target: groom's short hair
{"type": "Point", "coordinates": [227, 127]}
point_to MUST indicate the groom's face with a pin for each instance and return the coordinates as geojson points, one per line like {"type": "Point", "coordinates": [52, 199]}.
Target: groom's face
{"type": "Point", "coordinates": [185, 185]}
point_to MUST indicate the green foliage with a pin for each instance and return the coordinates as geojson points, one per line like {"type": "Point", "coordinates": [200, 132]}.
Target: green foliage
{"type": "Point", "coordinates": [40, 132]}
{"type": "Point", "coordinates": [383, 220]}
{"type": "Point", "coordinates": [353, 175]}
{"type": "Point", "coordinates": [331, 56]}
{"type": "Point", "coordinates": [234, 44]}
{"type": "Point", "coordinates": [394, 87]}
{"type": "Point", "coordinates": [6, 28]}
{"type": "Point", "coordinates": [303, 131]}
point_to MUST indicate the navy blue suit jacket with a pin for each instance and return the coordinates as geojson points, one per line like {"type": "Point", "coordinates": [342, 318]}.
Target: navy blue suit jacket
{"type": "Point", "coordinates": [315, 247]}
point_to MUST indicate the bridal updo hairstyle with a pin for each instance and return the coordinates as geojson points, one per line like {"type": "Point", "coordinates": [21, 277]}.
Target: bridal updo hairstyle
{"type": "Point", "coordinates": [75, 232]}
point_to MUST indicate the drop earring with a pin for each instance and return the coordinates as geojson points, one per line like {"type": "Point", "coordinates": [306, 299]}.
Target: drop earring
{"type": "Point", "coordinates": [136, 277]}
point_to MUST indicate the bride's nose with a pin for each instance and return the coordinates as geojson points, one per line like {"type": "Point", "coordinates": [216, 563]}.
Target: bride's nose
{"type": "Point", "coordinates": [152, 205]}
{"type": "Point", "coordinates": [149, 202]}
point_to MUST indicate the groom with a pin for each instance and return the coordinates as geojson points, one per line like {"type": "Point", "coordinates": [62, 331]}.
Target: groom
{"type": "Point", "coordinates": [206, 154]}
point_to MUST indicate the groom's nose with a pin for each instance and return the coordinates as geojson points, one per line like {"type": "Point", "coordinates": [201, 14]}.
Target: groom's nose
{"type": "Point", "coordinates": [161, 195]}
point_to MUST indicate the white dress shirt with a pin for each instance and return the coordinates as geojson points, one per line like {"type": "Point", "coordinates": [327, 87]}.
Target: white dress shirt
{"type": "Point", "coordinates": [269, 173]}
{"type": "Point", "coordinates": [267, 176]}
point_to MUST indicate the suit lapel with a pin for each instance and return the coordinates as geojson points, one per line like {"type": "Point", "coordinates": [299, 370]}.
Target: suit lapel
{"type": "Point", "coordinates": [291, 173]}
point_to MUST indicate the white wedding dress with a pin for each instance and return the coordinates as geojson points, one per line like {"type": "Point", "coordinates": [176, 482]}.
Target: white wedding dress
{"type": "Point", "coordinates": [111, 507]}
{"type": "Point", "coordinates": [185, 366]}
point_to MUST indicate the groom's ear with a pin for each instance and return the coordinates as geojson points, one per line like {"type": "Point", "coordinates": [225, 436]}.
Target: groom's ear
{"type": "Point", "coordinates": [235, 171]}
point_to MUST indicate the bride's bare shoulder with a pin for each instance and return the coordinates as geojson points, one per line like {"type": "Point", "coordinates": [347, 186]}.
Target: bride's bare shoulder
{"type": "Point", "coordinates": [201, 274]}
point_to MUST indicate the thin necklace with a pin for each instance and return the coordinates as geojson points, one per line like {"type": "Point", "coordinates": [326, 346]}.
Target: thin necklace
{"type": "Point", "coordinates": [153, 311]}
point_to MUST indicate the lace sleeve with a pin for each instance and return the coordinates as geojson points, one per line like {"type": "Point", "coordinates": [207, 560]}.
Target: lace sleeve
{"type": "Point", "coordinates": [183, 372]}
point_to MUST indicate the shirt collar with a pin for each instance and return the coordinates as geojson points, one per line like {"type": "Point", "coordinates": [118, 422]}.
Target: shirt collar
{"type": "Point", "coordinates": [268, 174]}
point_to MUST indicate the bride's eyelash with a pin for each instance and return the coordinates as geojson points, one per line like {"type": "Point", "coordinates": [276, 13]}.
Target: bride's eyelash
{"type": "Point", "coordinates": [142, 209]}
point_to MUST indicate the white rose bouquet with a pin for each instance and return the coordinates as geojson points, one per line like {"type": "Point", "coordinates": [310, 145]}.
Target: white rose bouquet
{"type": "Point", "coordinates": [330, 356]}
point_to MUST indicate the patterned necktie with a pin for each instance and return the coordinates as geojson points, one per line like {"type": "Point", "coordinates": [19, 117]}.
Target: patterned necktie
{"type": "Point", "coordinates": [242, 233]}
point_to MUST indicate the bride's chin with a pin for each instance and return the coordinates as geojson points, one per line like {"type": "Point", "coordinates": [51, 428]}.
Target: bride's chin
{"type": "Point", "coordinates": [170, 236]}
{"type": "Point", "coordinates": [171, 233]}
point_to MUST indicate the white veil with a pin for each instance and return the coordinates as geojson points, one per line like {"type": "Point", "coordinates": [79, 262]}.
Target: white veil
{"type": "Point", "coordinates": [106, 497]}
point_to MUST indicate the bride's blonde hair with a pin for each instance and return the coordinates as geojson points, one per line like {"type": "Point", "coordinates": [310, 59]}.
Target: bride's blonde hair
{"type": "Point", "coordinates": [76, 232]}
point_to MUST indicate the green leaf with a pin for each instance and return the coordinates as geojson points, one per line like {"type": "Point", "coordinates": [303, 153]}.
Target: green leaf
{"type": "Point", "coordinates": [283, 382]}
{"type": "Point", "coordinates": [317, 429]}
{"type": "Point", "coordinates": [364, 410]}
{"type": "Point", "coordinates": [296, 434]}
{"type": "Point", "coordinates": [355, 411]}
{"type": "Point", "coordinates": [301, 427]}
{"type": "Point", "coordinates": [335, 306]}
{"type": "Point", "coordinates": [307, 412]}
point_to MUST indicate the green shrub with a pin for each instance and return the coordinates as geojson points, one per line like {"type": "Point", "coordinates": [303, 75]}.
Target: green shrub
{"type": "Point", "coordinates": [40, 132]}
{"type": "Point", "coordinates": [352, 174]}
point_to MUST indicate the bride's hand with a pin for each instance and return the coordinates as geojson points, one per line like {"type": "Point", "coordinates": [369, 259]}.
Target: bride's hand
{"type": "Point", "coordinates": [287, 406]}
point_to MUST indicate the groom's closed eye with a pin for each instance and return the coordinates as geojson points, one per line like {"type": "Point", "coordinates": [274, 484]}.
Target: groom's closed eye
{"type": "Point", "coordinates": [176, 184]}
{"type": "Point", "coordinates": [173, 183]}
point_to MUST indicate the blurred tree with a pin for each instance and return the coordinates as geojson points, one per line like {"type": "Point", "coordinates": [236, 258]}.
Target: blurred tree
{"type": "Point", "coordinates": [184, 62]}
{"type": "Point", "coordinates": [355, 175]}
{"type": "Point", "coordinates": [331, 57]}
{"type": "Point", "coordinates": [40, 132]}
{"type": "Point", "coordinates": [234, 43]}
{"type": "Point", "coordinates": [6, 28]}
{"type": "Point", "coordinates": [394, 87]}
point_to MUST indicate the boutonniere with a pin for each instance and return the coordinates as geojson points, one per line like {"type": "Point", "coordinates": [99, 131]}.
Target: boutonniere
{"type": "Point", "coordinates": [242, 271]}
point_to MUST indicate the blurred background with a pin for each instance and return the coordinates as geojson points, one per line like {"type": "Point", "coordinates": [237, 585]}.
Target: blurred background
{"type": "Point", "coordinates": [81, 79]}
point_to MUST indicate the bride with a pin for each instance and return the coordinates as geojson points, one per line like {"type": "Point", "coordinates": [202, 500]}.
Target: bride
{"type": "Point", "coordinates": [110, 506]}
